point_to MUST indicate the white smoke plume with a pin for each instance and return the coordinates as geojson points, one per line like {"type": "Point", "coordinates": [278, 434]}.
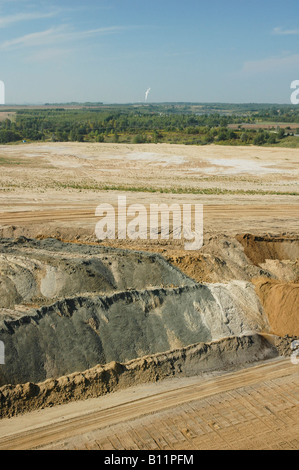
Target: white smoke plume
{"type": "Point", "coordinates": [147, 93]}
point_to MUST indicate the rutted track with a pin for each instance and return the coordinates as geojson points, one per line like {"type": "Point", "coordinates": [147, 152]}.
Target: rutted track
{"type": "Point", "coordinates": [212, 211]}
{"type": "Point", "coordinates": [43, 198]}
{"type": "Point", "coordinates": [45, 429]}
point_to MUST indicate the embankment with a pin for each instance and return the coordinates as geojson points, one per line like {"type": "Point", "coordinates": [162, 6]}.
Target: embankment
{"type": "Point", "coordinates": [223, 355]}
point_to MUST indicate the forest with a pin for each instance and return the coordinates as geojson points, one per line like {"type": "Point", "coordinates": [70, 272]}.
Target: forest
{"type": "Point", "coordinates": [178, 123]}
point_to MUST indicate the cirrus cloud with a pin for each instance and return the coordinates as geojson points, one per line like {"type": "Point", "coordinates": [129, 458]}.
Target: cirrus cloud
{"type": "Point", "coordinates": [8, 20]}
{"type": "Point", "coordinates": [56, 35]}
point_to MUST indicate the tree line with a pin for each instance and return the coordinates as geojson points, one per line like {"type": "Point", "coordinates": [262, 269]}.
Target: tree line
{"type": "Point", "coordinates": [139, 125]}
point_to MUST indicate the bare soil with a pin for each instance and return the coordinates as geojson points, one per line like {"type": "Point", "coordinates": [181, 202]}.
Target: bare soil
{"type": "Point", "coordinates": [249, 409]}
{"type": "Point", "coordinates": [281, 304]}
{"type": "Point", "coordinates": [54, 189]}
{"type": "Point", "coordinates": [146, 297]}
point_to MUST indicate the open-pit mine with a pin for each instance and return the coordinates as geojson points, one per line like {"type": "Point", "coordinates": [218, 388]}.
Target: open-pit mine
{"type": "Point", "coordinates": [106, 340]}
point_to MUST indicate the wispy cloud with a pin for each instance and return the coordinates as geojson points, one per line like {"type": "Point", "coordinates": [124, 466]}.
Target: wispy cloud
{"type": "Point", "coordinates": [19, 17]}
{"type": "Point", "coordinates": [285, 32]}
{"type": "Point", "coordinates": [56, 35]}
{"type": "Point", "coordinates": [33, 39]}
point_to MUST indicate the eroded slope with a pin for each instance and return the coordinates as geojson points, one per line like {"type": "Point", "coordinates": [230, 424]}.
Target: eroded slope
{"type": "Point", "coordinates": [72, 307]}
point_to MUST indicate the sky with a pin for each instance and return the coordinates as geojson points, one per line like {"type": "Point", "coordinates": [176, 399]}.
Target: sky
{"type": "Point", "coordinates": [112, 51]}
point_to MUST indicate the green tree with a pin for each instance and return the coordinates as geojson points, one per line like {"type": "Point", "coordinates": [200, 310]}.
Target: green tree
{"type": "Point", "coordinates": [139, 139]}
{"type": "Point", "coordinates": [281, 134]}
{"type": "Point", "coordinates": [100, 138]}
{"type": "Point", "coordinates": [272, 139]}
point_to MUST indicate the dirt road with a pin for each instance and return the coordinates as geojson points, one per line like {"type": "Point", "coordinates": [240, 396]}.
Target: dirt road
{"type": "Point", "coordinates": [212, 211]}
{"type": "Point", "coordinates": [260, 402]}
{"type": "Point", "coordinates": [78, 221]}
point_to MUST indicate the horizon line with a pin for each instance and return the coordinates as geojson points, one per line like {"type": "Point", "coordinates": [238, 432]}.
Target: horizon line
{"type": "Point", "coordinates": [141, 103]}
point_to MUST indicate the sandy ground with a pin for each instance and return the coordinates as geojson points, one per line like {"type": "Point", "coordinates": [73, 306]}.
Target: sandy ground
{"type": "Point", "coordinates": [52, 188]}
{"type": "Point", "coordinates": [252, 408]}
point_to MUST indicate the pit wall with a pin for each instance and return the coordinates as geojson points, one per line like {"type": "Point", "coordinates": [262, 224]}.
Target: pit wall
{"type": "Point", "coordinates": [258, 249]}
{"type": "Point", "coordinates": [48, 342]}
{"type": "Point", "coordinates": [223, 355]}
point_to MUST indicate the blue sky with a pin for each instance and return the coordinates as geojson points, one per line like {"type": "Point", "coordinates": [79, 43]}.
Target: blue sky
{"type": "Point", "coordinates": [113, 50]}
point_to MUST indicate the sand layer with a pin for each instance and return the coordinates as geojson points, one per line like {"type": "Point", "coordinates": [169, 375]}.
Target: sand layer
{"type": "Point", "coordinates": [281, 304]}
{"type": "Point", "coordinates": [226, 354]}
{"type": "Point", "coordinates": [66, 308]}
{"type": "Point", "coordinates": [128, 304]}
{"type": "Point", "coordinates": [124, 305]}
